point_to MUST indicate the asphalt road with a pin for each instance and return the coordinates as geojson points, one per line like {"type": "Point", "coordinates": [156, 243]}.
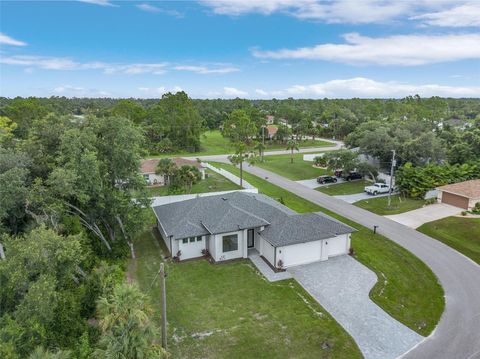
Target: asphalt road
{"type": "Point", "coordinates": [219, 158]}
{"type": "Point", "coordinates": [457, 335]}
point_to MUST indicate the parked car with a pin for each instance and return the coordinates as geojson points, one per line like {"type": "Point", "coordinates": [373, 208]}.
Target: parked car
{"type": "Point", "coordinates": [352, 176]}
{"type": "Point", "coordinates": [326, 179]}
{"type": "Point", "coordinates": [377, 188]}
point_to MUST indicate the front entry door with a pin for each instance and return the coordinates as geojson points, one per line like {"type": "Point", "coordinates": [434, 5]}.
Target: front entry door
{"type": "Point", "coordinates": [250, 238]}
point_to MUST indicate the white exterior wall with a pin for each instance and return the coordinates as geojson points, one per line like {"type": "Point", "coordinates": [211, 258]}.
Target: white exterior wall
{"type": "Point", "coordinates": [152, 177]}
{"type": "Point", "coordinates": [191, 249]}
{"type": "Point", "coordinates": [217, 249]}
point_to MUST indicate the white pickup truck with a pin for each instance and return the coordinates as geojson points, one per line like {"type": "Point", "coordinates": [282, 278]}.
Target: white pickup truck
{"type": "Point", "coordinates": [377, 188]}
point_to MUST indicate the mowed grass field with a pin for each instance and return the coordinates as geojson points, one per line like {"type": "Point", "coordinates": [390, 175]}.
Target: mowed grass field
{"type": "Point", "coordinates": [460, 233]}
{"type": "Point", "coordinates": [298, 170]}
{"type": "Point", "coordinates": [344, 188]}
{"type": "Point", "coordinates": [229, 310]}
{"type": "Point", "coordinates": [406, 289]}
{"type": "Point", "coordinates": [399, 204]}
{"type": "Point", "coordinates": [212, 183]}
{"type": "Point", "coordinates": [213, 143]}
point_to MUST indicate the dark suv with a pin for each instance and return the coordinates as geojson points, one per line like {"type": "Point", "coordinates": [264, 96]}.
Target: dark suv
{"type": "Point", "coordinates": [353, 176]}
{"type": "Point", "coordinates": [326, 179]}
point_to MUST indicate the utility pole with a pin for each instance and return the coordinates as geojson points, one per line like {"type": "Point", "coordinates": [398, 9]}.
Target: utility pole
{"type": "Point", "coordinates": [392, 168]}
{"type": "Point", "coordinates": [263, 140]}
{"type": "Point", "coordinates": [163, 294]}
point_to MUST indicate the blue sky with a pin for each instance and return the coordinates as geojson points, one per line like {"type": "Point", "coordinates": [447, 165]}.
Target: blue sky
{"type": "Point", "coordinates": [248, 48]}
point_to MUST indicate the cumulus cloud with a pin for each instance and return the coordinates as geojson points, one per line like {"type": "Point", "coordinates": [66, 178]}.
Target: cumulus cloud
{"type": "Point", "coordinates": [7, 40]}
{"type": "Point", "coordinates": [234, 92]}
{"type": "Point", "coordinates": [153, 90]}
{"type": "Point", "coordinates": [368, 88]}
{"type": "Point", "coordinates": [464, 15]}
{"type": "Point", "coordinates": [65, 88]}
{"type": "Point", "coordinates": [454, 13]}
{"type": "Point", "coordinates": [405, 50]}
{"type": "Point", "coordinates": [206, 70]}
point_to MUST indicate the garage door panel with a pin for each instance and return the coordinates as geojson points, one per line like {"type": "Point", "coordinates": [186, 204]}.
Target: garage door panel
{"type": "Point", "coordinates": [337, 246]}
{"type": "Point", "coordinates": [455, 200]}
{"type": "Point", "coordinates": [301, 253]}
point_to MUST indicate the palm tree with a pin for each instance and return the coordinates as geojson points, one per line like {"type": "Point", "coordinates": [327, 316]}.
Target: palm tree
{"type": "Point", "coordinates": [292, 145]}
{"type": "Point", "coordinates": [260, 147]}
{"type": "Point", "coordinates": [127, 329]}
{"type": "Point", "coordinates": [167, 168]}
{"type": "Point", "coordinates": [188, 176]}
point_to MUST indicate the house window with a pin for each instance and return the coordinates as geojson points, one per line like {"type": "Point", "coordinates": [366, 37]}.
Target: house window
{"type": "Point", "coordinates": [230, 243]}
{"type": "Point", "coordinates": [185, 240]}
{"type": "Point", "coordinates": [192, 239]}
{"type": "Point", "coordinates": [199, 238]}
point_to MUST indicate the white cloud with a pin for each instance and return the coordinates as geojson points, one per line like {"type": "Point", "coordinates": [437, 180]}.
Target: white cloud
{"type": "Point", "coordinates": [177, 89]}
{"type": "Point", "coordinates": [405, 50]}
{"type": "Point", "coordinates": [261, 92]}
{"type": "Point", "coordinates": [206, 70]}
{"type": "Point", "coordinates": [153, 91]}
{"type": "Point", "coordinates": [368, 88]}
{"type": "Point", "coordinates": [460, 16]}
{"type": "Point", "coordinates": [65, 63]}
{"type": "Point", "coordinates": [155, 9]}
{"type": "Point", "coordinates": [7, 40]}
{"type": "Point", "coordinates": [66, 88]}
{"type": "Point", "coordinates": [453, 13]}
{"type": "Point", "coordinates": [234, 92]}
{"type": "Point", "coordinates": [78, 91]}
{"type": "Point", "coordinates": [98, 2]}
{"type": "Point", "coordinates": [148, 8]}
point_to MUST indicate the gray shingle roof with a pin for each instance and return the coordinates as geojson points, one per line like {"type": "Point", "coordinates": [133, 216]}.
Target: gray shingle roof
{"type": "Point", "coordinates": [240, 210]}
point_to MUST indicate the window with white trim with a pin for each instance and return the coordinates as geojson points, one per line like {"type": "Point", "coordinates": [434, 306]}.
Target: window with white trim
{"type": "Point", "coordinates": [230, 243]}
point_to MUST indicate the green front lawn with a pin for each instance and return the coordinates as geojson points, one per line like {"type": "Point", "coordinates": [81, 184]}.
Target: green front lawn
{"type": "Point", "coordinates": [230, 311]}
{"type": "Point", "coordinates": [460, 233]}
{"type": "Point", "coordinates": [400, 204]}
{"type": "Point", "coordinates": [213, 182]}
{"type": "Point", "coordinates": [406, 289]}
{"type": "Point", "coordinates": [345, 188]}
{"type": "Point", "coordinates": [298, 170]}
{"type": "Point", "coordinates": [213, 143]}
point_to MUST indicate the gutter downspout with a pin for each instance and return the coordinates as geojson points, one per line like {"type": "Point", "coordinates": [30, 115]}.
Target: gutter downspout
{"type": "Point", "coordinates": [275, 257]}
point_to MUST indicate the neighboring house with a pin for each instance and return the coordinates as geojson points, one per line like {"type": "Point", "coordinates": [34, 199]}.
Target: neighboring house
{"type": "Point", "coordinates": [271, 131]}
{"type": "Point", "coordinates": [463, 194]}
{"type": "Point", "coordinates": [148, 168]}
{"type": "Point", "coordinates": [231, 225]}
{"type": "Point", "coordinates": [270, 119]}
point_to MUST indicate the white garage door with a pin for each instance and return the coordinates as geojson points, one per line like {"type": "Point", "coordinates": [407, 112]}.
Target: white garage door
{"type": "Point", "coordinates": [336, 246]}
{"type": "Point", "coordinates": [191, 247]}
{"type": "Point", "coordinates": [301, 253]}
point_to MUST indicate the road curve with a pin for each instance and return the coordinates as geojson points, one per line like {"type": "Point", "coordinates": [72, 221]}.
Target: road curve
{"type": "Point", "coordinates": [457, 335]}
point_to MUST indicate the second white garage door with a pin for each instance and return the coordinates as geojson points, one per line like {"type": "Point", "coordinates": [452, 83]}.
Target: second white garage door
{"type": "Point", "coordinates": [336, 246]}
{"type": "Point", "coordinates": [301, 253]}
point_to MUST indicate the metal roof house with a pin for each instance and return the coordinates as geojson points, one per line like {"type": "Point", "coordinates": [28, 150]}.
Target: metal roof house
{"type": "Point", "coordinates": [231, 225]}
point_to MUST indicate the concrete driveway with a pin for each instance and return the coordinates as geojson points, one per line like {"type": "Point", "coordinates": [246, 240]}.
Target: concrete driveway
{"type": "Point", "coordinates": [417, 217]}
{"type": "Point", "coordinates": [341, 285]}
{"type": "Point", "coordinates": [312, 183]}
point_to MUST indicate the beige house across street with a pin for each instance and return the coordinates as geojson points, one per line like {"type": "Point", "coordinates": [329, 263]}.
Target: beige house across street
{"type": "Point", "coordinates": [148, 167]}
{"type": "Point", "coordinates": [462, 194]}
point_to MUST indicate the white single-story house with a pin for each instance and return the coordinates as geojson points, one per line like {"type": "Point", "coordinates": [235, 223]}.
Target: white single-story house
{"type": "Point", "coordinates": [462, 194]}
{"type": "Point", "coordinates": [233, 225]}
{"type": "Point", "coordinates": [148, 167]}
